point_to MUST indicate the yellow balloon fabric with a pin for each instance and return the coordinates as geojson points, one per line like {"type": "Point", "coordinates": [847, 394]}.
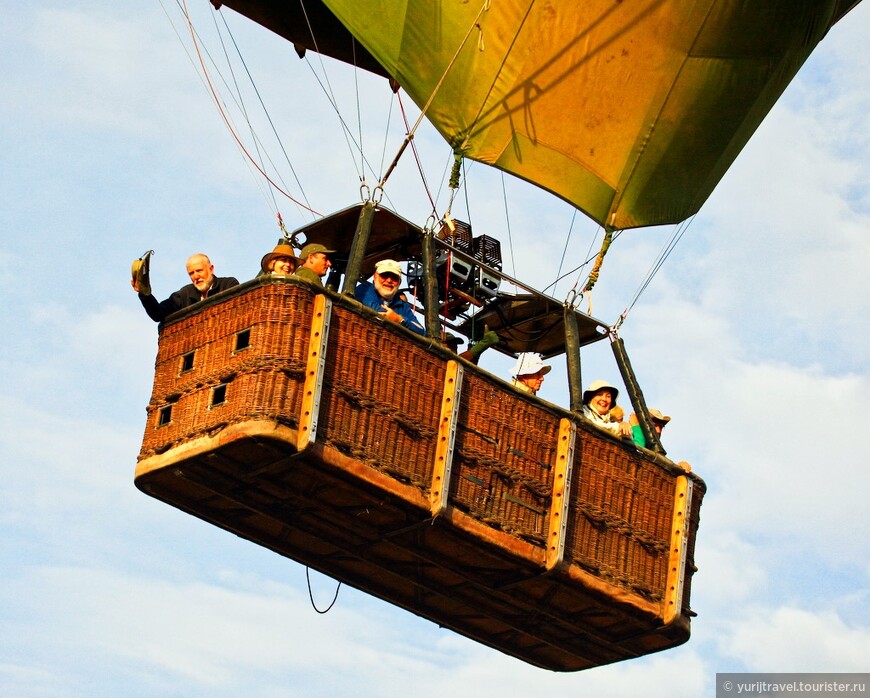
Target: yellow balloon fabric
{"type": "Point", "coordinates": [632, 110]}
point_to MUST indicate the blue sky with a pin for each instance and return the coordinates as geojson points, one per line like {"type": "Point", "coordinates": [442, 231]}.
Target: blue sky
{"type": "Point", "coordinates": [752, 337]}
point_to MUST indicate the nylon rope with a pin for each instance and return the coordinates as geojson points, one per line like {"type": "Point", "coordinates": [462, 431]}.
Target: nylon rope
{"type": "Point", "coordinates": [596, 268]}
{"type": "Point", "coordinates": [311, 595]}
{"type": "Point", "coordinates": [265, 111]}
{"type": "Point", "coordinates": [453, 182]}
{"type": "Point", "coordinates": [226, 119]}
{"type": "Point", "coordinates": [410, 136]}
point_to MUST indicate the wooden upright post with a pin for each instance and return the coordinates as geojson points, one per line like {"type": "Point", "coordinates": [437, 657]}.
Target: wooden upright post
{"type": "Point", "coordinates": [446, 437]}
{"type": "Point", "coordinates": [314, 371]}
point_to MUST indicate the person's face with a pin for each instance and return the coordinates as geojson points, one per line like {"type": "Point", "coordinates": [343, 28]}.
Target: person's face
{"type": "Point", "coordinates": [318, 263]}
{"type": "Point", "coordinates": [533, 380]}
{"type": "Point", "coordinates": [282, 265]}
{"type": "Point", "coordinates": [658, 426]}
{"type": "Point", "coordinates": [601, 401]}
{"type": "Point", "coordinates": [201, 272]}
{"type": "Point", "coordinates": [387, 285]}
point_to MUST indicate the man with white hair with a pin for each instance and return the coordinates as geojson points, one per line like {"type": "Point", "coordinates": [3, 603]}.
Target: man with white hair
{"type": "Point", "coordinates": [382, 294]}
{"type": "Point", "coordinates": [203, 284]}
{"type": "Point", "coordinates": [528, 374]}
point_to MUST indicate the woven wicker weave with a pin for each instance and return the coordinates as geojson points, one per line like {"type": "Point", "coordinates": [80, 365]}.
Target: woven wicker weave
{"type": "Point", "coordinates": [505, 448]}
{"type": "Point", "coordinates": [381, 398]}
{"type": "Point", "coordinates": [621, 511]}
{"type": "Point", "coordinates": [262, 380]}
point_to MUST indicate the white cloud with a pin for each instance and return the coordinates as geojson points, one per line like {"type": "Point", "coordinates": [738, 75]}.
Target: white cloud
{"type": "Point", "coordinates": [731, 571]}
{"type": "Point", "coordinates": [789, 639]}
{"type": "Point", "coordinates": [261, 637]}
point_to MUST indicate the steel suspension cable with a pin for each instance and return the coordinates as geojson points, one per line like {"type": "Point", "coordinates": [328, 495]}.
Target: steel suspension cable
{"type": "Point", "coordinates": [666, 251]}
{"type": "Point", "coordinates": [565, 249]}
{"type": "Point", "coordinates": [258, 181]}
{"type": "Point", "coordinates": [508, 224]}
{"type": "Point", "coordinates": [225, 117]}
{"type": "Point", "coordinates": [240, 101]}
{"type": "Point", "coordinates": [265, 111]}
{"type": "Point", "coordinates": [330, 95]}
{"type": "Point", "coordinates": [416, 155]}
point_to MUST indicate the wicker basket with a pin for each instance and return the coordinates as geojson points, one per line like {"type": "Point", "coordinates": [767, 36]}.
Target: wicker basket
{"type": "Point", "coordinates": [340, 459]}
{"type": "Point", "coordinates": [505, 448]}
{"type": "Point", "coordinates": [221, 364]}
{"type": "Point", "coordinates": [371, 407]}
{"type": "Point", "coordinates": [620, 515]}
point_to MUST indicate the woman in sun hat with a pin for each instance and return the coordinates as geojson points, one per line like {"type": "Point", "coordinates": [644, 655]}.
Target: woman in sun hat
{"type": "Point", "coordinates": [598, 399]}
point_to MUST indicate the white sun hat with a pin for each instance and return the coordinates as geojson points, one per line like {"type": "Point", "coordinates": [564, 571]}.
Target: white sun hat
{"type": "Point", "coordinates": [529, 363]}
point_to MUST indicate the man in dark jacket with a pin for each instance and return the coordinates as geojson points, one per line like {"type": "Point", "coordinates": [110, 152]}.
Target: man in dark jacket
{"type": "Point", "coordinates": [205, 284]}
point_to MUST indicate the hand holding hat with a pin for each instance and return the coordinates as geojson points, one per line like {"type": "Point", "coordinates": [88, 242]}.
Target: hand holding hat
{"type": "Point", "coordinates": [141, 281]}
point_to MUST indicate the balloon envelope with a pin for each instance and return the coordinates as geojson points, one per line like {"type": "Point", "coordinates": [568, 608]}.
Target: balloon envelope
{"type": "Point", "coordinates": [631, 111]}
